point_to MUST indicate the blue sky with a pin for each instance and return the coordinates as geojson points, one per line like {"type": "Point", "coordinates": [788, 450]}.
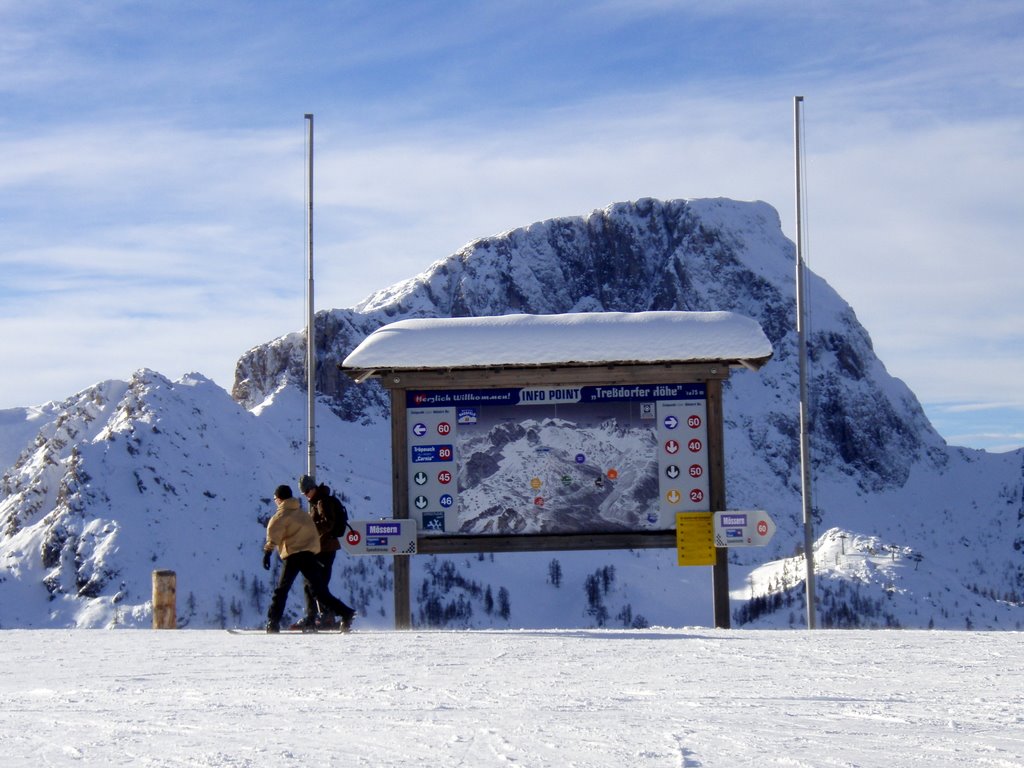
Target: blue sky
{"type": "Point", "coordinates": [152, 160]}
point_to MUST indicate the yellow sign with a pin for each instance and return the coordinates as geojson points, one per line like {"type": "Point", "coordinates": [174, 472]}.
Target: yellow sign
{"type": "Point", "coordinates": [695, 539]}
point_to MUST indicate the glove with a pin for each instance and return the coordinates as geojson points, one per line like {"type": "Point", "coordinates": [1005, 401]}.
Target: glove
{"type": "Point", "coordinates": [266, 560]}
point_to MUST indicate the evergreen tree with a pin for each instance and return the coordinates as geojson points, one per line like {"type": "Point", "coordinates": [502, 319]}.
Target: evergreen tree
{"type": "Point", "coordinates": [504, 605]}
{"type": "Point", "coordinates": [221, 617]}
{"type": "Point", "coordinates": [555, 573]}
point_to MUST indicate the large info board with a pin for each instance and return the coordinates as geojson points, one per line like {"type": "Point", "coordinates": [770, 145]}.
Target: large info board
{"type": "Point", "coordinates": [556, 459]}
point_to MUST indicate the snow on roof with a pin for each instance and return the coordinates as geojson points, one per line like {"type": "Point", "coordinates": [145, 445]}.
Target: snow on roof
{"type": "Point", "coordinates": [567, 339]}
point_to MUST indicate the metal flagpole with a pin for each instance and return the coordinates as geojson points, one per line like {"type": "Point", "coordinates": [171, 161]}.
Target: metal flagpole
{"type": "Point", "coordinates": [801, 333]}
{"type": "Point", "coordinates": [311, 316]}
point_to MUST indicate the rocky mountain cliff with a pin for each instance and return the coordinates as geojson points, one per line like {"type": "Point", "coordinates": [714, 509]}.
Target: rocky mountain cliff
{"type": "Point", "coordinates": [150, 473]}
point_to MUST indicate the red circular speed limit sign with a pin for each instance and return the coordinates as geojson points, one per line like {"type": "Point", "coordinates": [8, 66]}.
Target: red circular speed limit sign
{"type": "Point", "coordinates": [352, 537]}
{"type": "Point", "coordinates": [762, 527]}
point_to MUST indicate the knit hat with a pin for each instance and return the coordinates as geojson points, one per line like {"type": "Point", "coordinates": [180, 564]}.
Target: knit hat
{"type": "Point", "coordinates": [307, 484]}
{"type": "Point", "coordinates": [283, 492]}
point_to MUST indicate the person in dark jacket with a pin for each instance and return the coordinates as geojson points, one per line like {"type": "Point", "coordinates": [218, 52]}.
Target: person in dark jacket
{"type": "Point", "coordinates": [324, 508]}
{"type": "Point", "coordinates": [293, 533]}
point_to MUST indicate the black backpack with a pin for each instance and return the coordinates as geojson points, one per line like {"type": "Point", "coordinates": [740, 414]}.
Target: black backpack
{"type": "Point", "coordinates": [340, 517]}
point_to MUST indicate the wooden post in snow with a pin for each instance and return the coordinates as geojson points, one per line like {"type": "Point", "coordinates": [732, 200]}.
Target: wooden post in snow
{"type": "Point", "coordinates": [165, 589]}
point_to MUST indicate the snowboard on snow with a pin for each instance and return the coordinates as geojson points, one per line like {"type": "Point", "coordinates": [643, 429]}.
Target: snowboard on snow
{"type": "Point", "coordinates": [263, 631]}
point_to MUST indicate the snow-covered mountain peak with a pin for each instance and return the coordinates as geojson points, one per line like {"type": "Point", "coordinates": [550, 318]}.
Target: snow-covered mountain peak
{"type": "Point", "coordinates": [126, 477]}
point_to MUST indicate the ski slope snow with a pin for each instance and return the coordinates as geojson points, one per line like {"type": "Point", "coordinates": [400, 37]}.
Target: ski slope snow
{"type": "Point", "coordinates": [688, 697]}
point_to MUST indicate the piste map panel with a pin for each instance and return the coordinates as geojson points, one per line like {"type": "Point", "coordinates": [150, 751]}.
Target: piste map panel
{"type": "Point", "coordinates": [556, 459]}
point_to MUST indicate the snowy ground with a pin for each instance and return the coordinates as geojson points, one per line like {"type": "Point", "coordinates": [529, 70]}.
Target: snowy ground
{"type": "Point", "coordinates": [657, 697]}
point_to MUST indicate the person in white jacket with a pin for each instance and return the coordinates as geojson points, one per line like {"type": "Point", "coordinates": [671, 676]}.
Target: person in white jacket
{"type": "Point", "coordinates": [293, 533]}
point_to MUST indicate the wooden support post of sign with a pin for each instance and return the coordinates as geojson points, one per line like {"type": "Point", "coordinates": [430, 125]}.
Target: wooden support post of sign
{"type": "Point", "coordinates": [401, 566]}
{"type": "Point", "coordinates": [716, 467]}
{"type": "Point", "coordinates": [403, 613]}
{"type": "Point", "coordinates": [165, 611]}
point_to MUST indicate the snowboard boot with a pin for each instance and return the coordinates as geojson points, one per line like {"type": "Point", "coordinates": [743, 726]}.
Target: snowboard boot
{"type": "Point", "coordinates": [306, 625]}
{"type": "Point", "coordinates": [327, 621]}
{"type": "Point", "coordinates": [346, 621]}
